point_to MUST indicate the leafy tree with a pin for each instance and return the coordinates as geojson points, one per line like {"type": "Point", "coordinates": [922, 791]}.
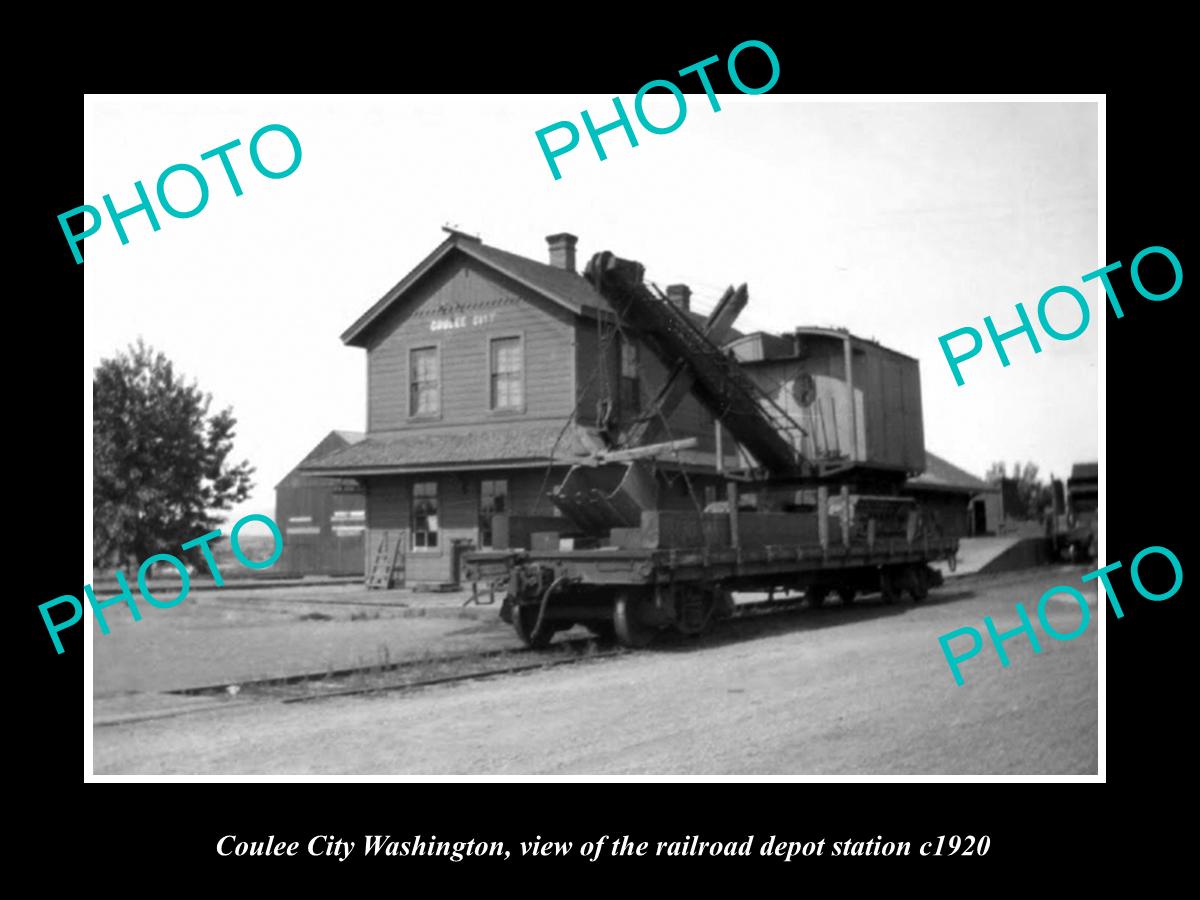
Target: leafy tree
{"type": "Point", "coordinates": [160, 460]}
{"type": "Point", "coordinates": [1033, 495]}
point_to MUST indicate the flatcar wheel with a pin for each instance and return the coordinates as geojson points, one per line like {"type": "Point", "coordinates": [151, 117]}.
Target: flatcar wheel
{"type": "Point", "coordinates": [888, 587]}
{"type": "Point", "coordinates": [918, 585]}
{"type": "Point", "coordinates": [630, 629]}
{"type": "Point", "coordinates": [524, 618]}
{"type": "Point", "coordinates": [847, 595]}
{"type": "Point", "coordinates": [725, 605]}
{"type": "Point", "coordinates": [696, 608]}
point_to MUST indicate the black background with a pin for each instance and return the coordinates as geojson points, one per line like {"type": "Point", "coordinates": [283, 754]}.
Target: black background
{"type": "Point", "coordinates": [1147, 477]}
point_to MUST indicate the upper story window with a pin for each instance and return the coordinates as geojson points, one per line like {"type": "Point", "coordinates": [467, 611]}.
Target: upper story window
{"type": "Point", "coordinates": [630, 388]}
{"type": "Point", "coordinates": [424, 398]}
{"type": "Point", "coordinates": [507, 373]}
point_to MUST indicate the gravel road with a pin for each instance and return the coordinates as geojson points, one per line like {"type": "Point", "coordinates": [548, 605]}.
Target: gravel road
{"type": "Point", "coordinates": [862, 690]}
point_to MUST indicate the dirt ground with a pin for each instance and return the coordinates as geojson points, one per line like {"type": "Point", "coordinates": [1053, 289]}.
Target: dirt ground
{"type": "Point", "coordinates": [863, 690]}
{"type": "Point", "coordinates": [226, 635]}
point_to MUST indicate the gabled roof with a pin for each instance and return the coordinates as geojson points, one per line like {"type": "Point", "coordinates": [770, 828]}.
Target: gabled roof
{"type": "Point", "coordinates": [570, 290]}
{"type": "Point", "coordinates": [939, 475]}
{"type": "Point", "coordinates": [513, 443]}
{"type": "Point", "coordinates": [517, 445]}
{"type": "Point", "coordinates": [333, 442]}
{"type": "Point", "coordinates": [350, 437]}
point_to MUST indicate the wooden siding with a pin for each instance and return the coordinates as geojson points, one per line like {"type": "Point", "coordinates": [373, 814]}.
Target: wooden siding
{"type": "Point", "coordinates": [891, 389]}
{"type": "Point", "coordinates": [459, 309]}
{"type": "Point", "coordinates": [947, 514]}
{"type": "Point", "coordinates": [389, 508]}
{"type": "Point", "coordinates": [304, 511]}
{"type": "Point", "coordinates": [599, 375]}
{"type": "Point", "coordinates": [886, 422]}
{"type": "Point", "coordinates": [596, 377]}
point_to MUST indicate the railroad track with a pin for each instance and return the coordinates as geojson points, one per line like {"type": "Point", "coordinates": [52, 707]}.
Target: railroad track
{"type": "Point", "coordinates": [413, 674]}
{"type": "Point", "coordinates": [408, 674]}
{"type": "Point", "coordinates": [461, 676]}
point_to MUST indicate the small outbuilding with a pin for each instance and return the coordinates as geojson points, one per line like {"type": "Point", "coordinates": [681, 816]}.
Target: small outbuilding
{"type": "Point", "coordinates": [960, 504]}
{"type": "Point", "coordinates": [323, 519]}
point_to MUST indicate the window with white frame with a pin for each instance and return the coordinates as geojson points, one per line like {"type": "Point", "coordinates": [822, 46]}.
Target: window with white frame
{"type": "Point", "coordinates": [424, 397]}
{"type": "Point", "coordinates": [507, 375]}
{"type": "Point", "coordinates": [425, 515]}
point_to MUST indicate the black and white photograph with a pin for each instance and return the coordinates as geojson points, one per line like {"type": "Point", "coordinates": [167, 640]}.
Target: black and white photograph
{"type": "Point", "coordinates": [533, 436]}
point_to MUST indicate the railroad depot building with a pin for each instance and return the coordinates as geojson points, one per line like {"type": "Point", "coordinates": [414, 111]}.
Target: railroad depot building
{"type": "Point", "coordinates": [488, 375]}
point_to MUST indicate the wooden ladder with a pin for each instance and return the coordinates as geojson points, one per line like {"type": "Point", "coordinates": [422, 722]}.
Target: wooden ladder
{"type": "Point", "coordinates": [383, 569]}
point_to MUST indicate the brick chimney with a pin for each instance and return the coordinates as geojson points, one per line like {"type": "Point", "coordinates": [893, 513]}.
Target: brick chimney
{"type": "Point", "coordinates": [562, 250]}
{"type": "Point", "coordinates": [680, 295]}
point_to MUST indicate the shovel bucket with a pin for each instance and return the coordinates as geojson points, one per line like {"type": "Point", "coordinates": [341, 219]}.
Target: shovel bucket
{"type": "Point", "coordinates": [598, 498]}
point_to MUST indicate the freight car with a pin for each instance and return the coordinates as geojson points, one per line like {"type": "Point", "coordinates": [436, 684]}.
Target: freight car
{"type": "Point", "coordinates": [814, 507]}
{"type": "Point", "coordinates": [621, 590]}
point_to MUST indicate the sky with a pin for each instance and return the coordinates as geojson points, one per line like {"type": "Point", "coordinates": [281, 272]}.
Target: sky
{"type": "Point", "coordinates": [902, 221]}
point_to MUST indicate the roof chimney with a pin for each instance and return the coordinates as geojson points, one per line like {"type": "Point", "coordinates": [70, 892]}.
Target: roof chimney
{"type": "Point", "coordinates": [680, 295]}
{"type": "Point", "coordinates": [562, 250]}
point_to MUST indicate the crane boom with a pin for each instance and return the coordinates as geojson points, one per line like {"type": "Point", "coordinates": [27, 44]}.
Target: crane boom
{"type": "Point", "coordinates": [716, 380]}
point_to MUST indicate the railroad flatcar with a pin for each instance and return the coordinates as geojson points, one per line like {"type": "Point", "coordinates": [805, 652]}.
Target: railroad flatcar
{"type": "Point", "coordinates": [827, 427]}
